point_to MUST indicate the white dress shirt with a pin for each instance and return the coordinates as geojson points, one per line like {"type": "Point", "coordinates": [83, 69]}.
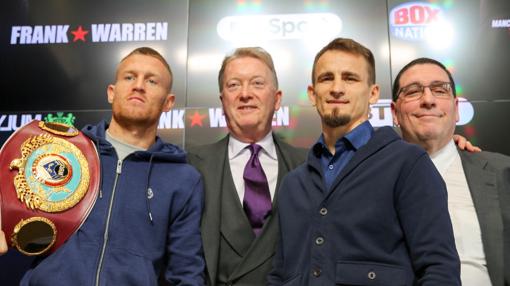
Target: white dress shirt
{"type": "Point", "coordinates": [238, 155]}
{"type": "Point", "coordinates": [466, 227]}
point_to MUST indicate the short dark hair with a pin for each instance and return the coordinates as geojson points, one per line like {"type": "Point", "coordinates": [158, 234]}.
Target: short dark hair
{"type": "Point", "coordinates": [249, 52]}
{"type": "Point", "coordinates": [420, 61]}
{"type": "Point", "coordinates": [352, 47]}
{"type": "Point", "coordinates": [146, 51]}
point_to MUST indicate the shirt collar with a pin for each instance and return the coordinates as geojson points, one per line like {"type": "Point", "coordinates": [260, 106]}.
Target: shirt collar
{"type": "Point", "coordinates": [236, 147]}
{"type": "Point", "coordinates": [120, 142]}
{"type": "Point", "coordinates": [354, 139]}
{"type": "Point", "coordinates": [444, 157]}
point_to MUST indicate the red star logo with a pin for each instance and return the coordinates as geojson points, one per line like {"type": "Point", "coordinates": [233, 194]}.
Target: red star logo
{"type": "Point", "coordinates": [79, 34]}
{"type": "Point", "coordinates": [196, 119]}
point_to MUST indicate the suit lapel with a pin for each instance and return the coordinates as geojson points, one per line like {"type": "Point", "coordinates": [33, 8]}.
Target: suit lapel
{"type": "Point", "coordinates": [284, 163]}
{"type": "Point", "coordinates": [212, 167]}
{"type": "Point", "coordinates": [483, 187]}
{"type": "Point", "coordinates": [235, 226]}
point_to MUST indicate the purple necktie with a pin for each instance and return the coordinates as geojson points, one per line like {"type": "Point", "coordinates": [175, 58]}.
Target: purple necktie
{"type": "Point", "coordinates": [257, 200]}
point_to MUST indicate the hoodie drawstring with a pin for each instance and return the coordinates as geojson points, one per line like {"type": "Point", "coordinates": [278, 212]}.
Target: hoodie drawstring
{"type": "Point", "coordinates": [150, 193]}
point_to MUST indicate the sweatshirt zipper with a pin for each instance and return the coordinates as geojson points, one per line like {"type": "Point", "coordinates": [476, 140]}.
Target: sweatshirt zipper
{"type": "Point", "coordinates": [105, 236]}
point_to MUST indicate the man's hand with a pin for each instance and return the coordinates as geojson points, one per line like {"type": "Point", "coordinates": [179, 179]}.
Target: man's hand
{"type": "Point", "coordinates": [3, 243]}
{"type": "Point", "coordinates": [464, 144]}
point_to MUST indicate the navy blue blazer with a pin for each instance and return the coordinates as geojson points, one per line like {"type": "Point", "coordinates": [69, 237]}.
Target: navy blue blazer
{"type": "Point", "coordinates": [384, 221]}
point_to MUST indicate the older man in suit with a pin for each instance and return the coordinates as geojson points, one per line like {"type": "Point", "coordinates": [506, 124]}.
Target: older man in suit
{"type": "Point", "coordinates": [242, 173]}
{"type": "Point", "coordinates": [425, 107]}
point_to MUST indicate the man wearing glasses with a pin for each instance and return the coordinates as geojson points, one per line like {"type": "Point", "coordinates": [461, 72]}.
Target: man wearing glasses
{"type": "Point", "coordinates": [425, 107]}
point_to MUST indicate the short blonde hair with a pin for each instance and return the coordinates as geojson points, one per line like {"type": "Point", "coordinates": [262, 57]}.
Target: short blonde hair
{"type": "Point", "coordinates": [146, 51]}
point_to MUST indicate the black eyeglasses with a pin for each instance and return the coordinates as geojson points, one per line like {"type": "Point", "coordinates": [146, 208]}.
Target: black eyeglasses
{"type": "Point", "coordinates": [414, 91]}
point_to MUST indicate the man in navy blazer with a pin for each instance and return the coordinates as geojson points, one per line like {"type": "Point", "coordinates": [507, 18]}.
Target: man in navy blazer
{"type": "Point", "coordinates": [365, 208]}
{"type": "Point", "coordinates": [425, 107]}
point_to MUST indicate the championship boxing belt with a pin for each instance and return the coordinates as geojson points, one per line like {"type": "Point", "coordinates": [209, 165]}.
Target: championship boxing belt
{"type": "Point", "coordinates": [49, 179]}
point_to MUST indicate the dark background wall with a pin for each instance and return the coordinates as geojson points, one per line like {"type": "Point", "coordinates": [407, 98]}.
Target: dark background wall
{"type": "Point", "coordinates": [63, 75]}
